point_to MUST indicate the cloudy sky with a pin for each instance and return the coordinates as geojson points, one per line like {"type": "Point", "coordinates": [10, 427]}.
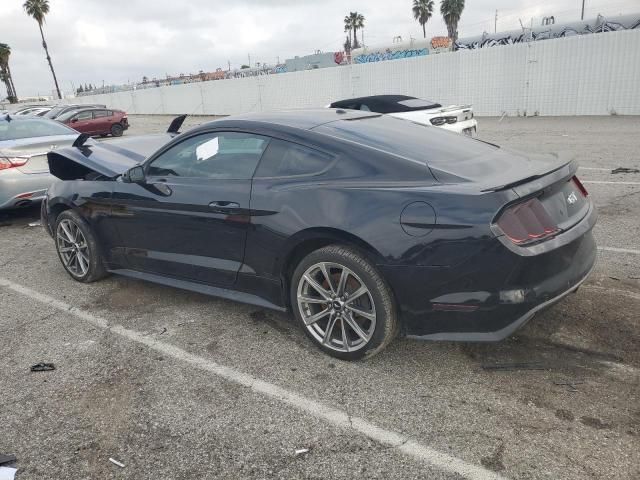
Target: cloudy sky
{"type": "Point", "coordinates": [118, 41]}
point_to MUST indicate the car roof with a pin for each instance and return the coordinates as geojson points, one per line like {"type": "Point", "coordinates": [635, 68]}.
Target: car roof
{"type": "Point", "coordinates": [380, 98]}
{"type": "Point", "coordinates": [301, 119]}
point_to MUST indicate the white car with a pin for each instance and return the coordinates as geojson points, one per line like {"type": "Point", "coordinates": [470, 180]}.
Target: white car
{"type": "Point", "coordinates": [456, 118]}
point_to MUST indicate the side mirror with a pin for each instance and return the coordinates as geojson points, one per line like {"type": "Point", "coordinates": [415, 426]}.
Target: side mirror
{"type": "Point", "coordinates": [134, 175]}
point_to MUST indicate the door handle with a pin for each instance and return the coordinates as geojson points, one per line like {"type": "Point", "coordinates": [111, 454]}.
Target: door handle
{"type": "Point", "coordinates": [223, 204]}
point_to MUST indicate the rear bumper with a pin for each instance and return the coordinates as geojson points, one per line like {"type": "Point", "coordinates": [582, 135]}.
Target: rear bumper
{"type": "Point", "coordinates": [470, 126]}
{"type": "Point", "coordinates": [507, 330]}
{"type": "Point", "coordinates": [19, 189]}
{"type": "Point", "coordinates": [492, 294]}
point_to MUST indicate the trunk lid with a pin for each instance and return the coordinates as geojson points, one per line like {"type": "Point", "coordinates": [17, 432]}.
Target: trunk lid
{"type": "Point", "coordinates": [561, 195]}
{"type": "Point", "coordinates": [496, 169]}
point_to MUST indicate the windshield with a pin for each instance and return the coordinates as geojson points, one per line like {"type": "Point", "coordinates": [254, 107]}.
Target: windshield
{"type": "Point", "coordinates": [54, 111]}
{"type": "Point", "coordinates": [419, 103]}
{"type": "Point", "coordinates": [67, 115]}
{"type": "Point", "coordinates": [16, 129]}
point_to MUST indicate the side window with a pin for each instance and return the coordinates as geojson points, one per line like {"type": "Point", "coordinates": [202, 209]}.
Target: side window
{"type": "Point", "coordinates": [230, 155]}
{"type": "Point", "coordinates": [100, 113]}
{"type": "Point", "coordinates": [364, 108]}
{"type": "Point", "coordinates": [88, 115]}
{"type": "Point", "coordinates": [286, 159]}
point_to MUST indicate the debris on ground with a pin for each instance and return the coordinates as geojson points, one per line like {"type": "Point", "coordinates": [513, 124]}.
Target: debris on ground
{"type": "Point", "coordinates": [301, 451]}
{"type": "Point", "coordinates": [513, 366]}
{"type": "Point", "coordinates": [570, 384]}
{"type": "Point", "coordinates": [7, 459]}
{"type": "Point", "coordinates": [35, 224]}
{"type": "Point", "coordinates": [7, 473]}
{"type": "Point", "coordinates": [116, 462]}
{"type": "Point", "coordinates": [43, 367]}
{"type": "Point", "coordinates": [625, 170]}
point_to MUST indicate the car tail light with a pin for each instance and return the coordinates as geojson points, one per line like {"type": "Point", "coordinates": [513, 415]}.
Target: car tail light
{"type": "Point", "coordinates": [527, 222]}
{"type": "Point", "coordinates": [578, 184]}
{"type": "Point", "coordinates": [438, 121]}
{"type": "Point", "coordinates": [6, 163]}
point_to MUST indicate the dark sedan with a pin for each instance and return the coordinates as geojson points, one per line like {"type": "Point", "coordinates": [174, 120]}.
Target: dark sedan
{"type": "Point", "coordinates": [362, 225]}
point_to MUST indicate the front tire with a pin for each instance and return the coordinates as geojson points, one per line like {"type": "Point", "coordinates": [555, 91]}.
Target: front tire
{"type": "Point", "coordinates": [77, 248]}
{"type": "Point", "coordinates": [343, 304]}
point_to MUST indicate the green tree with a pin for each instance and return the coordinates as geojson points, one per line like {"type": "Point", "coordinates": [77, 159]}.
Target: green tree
{"type": "Point", "coordinates": [451, 11]}
{"type": "Point", "coordinates": [80, 89]}
{"type": "Point", "coordinates": [5, 73]}
{"type": "Point", "coordinates": [352, 23]}
{"type": "Point", "coordinates": [422, 11]}
{"type": "Point", "coordinates": [38, 9]}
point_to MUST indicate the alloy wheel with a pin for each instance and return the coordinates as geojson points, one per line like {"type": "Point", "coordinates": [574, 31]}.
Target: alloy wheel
{"type": "Point", "coordinates": [336, 306]}
{"type": "Point", "coordinates": [73, 248]}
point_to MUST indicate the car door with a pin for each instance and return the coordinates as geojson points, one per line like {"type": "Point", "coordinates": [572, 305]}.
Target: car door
{"type": "Point", "coordinates": [101, 122]}
{"type": "Point", "coordinates": [189, 218]}
{"type": "Point", "coordinates": [82, 122]}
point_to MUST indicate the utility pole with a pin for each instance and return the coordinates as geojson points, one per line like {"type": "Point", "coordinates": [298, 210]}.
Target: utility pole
{"type": "Point", "coordinates": [495, 23]}
{"type": "Point", "coordinates": [249, 55]}
{"type": "Point", "coordinates": [582, 15]}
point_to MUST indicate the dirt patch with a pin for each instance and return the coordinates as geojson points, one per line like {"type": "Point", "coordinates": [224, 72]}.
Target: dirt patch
{"type": "Point", "coordinates": [144, 296]}
{"type": "Point", "coordinates": [278, 323]}
{"type": "Point", "coordinates": [566, 415]}
{"type": "Point", "coordinates": [495, 461]}
{"type": "Point", "coordinates": [594, 422]}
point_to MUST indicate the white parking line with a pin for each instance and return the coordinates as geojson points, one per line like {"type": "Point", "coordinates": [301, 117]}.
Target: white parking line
{"type": "Point", "coordinates": [609, 183]}
{"type": "Point", "coordinates": [439, 460]}
{"type": "Point", "coordinates": [596, 168]}
{"type": "Point", "coordinates": [620, 250]}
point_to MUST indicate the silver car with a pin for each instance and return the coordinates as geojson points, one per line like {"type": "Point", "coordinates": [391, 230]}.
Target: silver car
{"type": "Point", "coordinates": [24, 171]}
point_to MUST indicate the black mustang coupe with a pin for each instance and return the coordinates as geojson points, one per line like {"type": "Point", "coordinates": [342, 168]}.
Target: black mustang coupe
{"type": "Point", "coordinates": [363, 225]}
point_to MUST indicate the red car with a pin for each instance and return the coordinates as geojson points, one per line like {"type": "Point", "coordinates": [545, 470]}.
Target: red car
{"type": "Point", "coordinates": [96, 121]}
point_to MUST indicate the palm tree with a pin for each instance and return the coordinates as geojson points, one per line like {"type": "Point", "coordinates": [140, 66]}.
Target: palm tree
{"type": "Point", "coordinates": [5, 72]}
{"type": "Point", "coordinates": [38, 9]}
{"type": "Point", "coordinates": [451, 11]}
{"type": "Point", "coordinates": [352, 23]}
{"type": "Point", "coordinates": [422, 11]}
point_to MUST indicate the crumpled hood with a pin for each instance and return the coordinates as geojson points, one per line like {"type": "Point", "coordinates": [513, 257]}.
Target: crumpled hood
{"type": "Point", "coordinates": [107, 158]}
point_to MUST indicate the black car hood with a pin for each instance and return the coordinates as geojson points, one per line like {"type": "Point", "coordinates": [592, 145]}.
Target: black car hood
{"type": "Point", "coordinates": [109, 159]}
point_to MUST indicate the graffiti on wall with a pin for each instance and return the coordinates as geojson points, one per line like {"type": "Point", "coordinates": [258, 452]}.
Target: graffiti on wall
{"type": "Point", "coordinates": [389, 54]}
{"type": "Point", "coordinates": [440, 42]}
{"type": "Point", "coordinates": [548, 31]}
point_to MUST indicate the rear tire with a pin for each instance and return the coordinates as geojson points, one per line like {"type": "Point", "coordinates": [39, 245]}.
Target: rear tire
{"type": "Point", "coordinates": [117, 130]}
{"type": "Point", "coordinates": [343, 304]}
{"type": "Point", "coordinates": [77, 248]}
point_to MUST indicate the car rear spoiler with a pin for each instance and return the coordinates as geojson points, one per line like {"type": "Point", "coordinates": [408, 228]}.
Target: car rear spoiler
{"type": "Point", "coordinates": [80, 141]}
{"type": "Point", "coordinates": [176, 123]}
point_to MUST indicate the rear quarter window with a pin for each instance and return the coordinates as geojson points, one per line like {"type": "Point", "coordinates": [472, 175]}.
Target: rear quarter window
{"type": "Point", "coordinates": [419, 143]}
{"type": "Point", "coordinates": [286, 159]}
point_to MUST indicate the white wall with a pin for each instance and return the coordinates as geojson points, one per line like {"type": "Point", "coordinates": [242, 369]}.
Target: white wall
{"type": "Point", "coordinates": [584, 75]}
